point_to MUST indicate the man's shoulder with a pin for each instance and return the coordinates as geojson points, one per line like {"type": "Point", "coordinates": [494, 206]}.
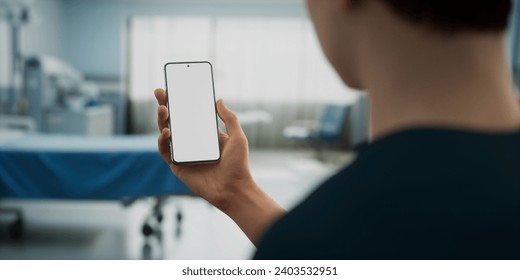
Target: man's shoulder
{"type": "Point", "coordinates": [393, 184]}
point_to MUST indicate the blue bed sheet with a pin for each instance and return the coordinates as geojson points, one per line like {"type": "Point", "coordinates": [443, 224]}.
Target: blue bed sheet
{"type": "Point", "coordinates": [83, 168]}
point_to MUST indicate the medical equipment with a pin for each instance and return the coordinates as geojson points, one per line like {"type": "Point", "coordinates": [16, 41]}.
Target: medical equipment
{"type": "Point", "coordinates": [15, 14]}
{"type": "Point", "coordinates": [61, 101]}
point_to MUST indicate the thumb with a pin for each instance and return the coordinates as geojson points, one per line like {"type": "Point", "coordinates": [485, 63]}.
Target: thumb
{"type": "Point", "coordinates": [229, 118]}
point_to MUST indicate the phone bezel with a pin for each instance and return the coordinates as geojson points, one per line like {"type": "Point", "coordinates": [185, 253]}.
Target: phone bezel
{"type": "Point", "coordinates": [216, 114]}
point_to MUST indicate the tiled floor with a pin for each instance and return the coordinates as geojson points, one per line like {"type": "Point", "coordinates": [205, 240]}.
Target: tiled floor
{"type": "Point", "coordinates": [109, 230]}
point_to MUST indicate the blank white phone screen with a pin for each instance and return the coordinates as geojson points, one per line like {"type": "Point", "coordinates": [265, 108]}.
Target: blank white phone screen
{"type": "Point", "coordinates": [193, 119]}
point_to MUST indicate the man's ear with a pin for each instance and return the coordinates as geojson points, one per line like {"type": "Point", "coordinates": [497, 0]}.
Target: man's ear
{"type": "Point", "coordinates": [346, 5]}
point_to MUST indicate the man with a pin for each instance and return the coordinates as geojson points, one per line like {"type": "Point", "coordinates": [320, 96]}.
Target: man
{"type": "Point", "coordinates": [441, 179]}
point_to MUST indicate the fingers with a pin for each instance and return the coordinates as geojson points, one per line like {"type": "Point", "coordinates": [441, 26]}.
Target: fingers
{"type": "Point", "coordinates": [162, 111]}
{"type": "Point", "coordinates": [230, 119]}
{"type": "Point", "coordinates": [162, 117]}
{"type": "Point", "coordinates": [163, 142]}
{"type": "Point", "coordinates": [222, 134]}
{"type": "Point", "coordinates": [161, 97]}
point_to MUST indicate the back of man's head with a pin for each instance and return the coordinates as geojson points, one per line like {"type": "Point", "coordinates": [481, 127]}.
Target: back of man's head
{"type": "Point", "coordinates": [455, 15]}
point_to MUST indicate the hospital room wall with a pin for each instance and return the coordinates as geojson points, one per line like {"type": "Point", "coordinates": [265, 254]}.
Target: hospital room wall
{"type": "Point", "coordinates": [99, 26]}
{"type": "Point", "coordinates": [44, 35]}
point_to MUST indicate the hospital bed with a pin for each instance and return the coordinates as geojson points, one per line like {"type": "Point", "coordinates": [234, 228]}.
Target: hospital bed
{"type": "Point", "coordinates": [46, 166]}
{"type": "Point", "coordinates": [76, 167]}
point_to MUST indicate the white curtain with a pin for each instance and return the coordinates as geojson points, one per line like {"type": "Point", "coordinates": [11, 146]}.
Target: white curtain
{"type": "Point", "coordinates": [260, 63]}
{"type": "Point", "coordinates": [155, 41]}
{"type": "Point", "coordinates": [255, 59]}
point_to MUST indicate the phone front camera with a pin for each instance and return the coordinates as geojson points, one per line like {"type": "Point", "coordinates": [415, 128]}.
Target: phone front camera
{"type": "Point", "coordinates": [188, 65]}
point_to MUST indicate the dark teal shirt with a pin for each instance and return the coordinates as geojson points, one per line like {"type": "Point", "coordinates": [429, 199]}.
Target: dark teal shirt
{"type": "Point", "coordinates": [416, 194]}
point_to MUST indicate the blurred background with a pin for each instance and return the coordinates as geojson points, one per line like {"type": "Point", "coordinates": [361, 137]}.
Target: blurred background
{"type": "Point", "coordinates": [80, 177]}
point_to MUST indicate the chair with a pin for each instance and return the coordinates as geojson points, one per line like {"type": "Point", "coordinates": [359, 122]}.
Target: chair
{"type": "Point", "coordinates": [329, 130]}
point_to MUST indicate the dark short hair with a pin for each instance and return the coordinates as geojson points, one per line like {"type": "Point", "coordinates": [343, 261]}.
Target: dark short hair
{"type": "Point", "coordinates": [455, 15]}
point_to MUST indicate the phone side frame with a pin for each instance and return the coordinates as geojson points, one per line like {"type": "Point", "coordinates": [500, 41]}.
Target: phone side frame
{"type": "Point", "coordinates": [216, 115]}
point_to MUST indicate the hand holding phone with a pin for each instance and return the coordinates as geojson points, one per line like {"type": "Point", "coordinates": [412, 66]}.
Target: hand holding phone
{"type": "Point", "coordinates": [228, 185]}
{"type": "Point", "coordinates": [213, 182]}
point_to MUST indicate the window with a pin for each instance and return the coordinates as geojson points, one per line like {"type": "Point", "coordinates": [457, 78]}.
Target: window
{"type": "Point", "coordinates": [254, 58]}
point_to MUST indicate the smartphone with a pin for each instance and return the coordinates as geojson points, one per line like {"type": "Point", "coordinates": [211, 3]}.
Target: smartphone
{"type": "Point", "coordinates": [192, 112]}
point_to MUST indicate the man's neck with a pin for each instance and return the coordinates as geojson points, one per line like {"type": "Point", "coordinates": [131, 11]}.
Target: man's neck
{"type": "Point", "coordinates": [460, 82]}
